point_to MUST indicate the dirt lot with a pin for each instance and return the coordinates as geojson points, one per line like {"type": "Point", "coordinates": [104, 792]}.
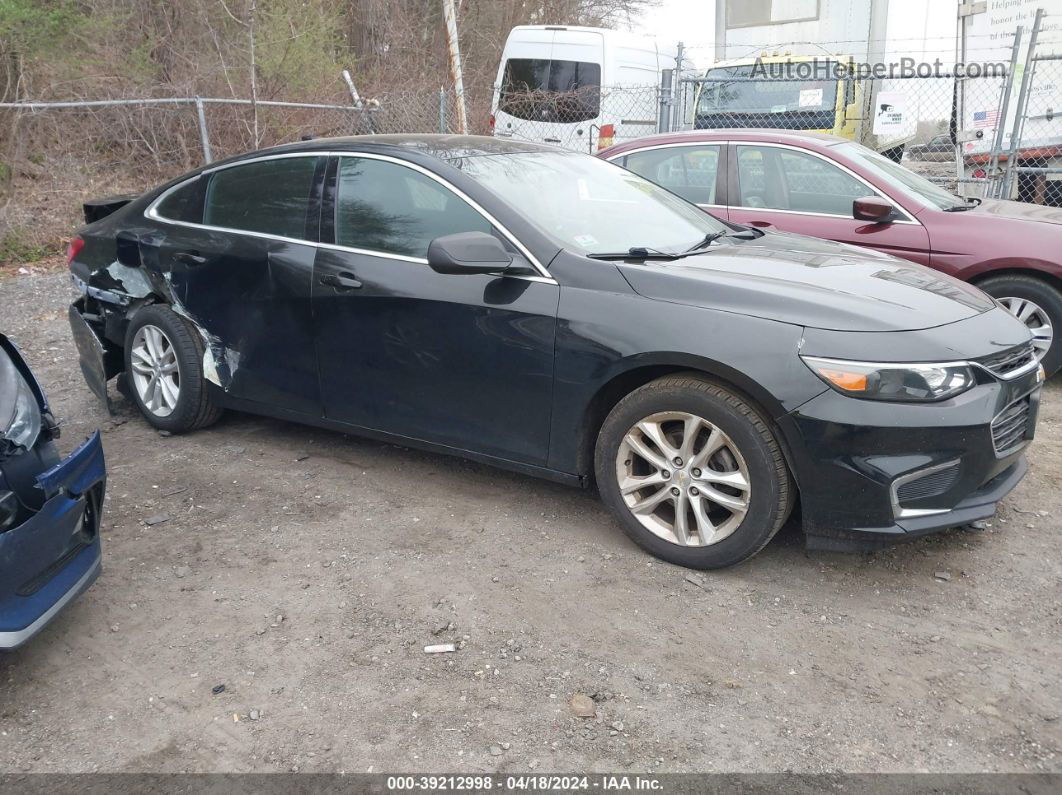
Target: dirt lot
{"type": "Point", "coordinates": [306, 571]}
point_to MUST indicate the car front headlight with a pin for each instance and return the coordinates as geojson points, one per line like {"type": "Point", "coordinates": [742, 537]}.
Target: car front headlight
{"type": "Point", "coordinates": [913, 382]}
{"type": "Point", "coordinates": [23, 424]}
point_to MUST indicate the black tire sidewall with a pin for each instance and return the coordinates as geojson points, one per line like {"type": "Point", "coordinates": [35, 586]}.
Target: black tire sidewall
{"type": "Point", "coordinates": [189, 366]}
{"type": "Point", "coordinates": [762, 519]}
{"type": "Point", "coordinates": [1043, 295]}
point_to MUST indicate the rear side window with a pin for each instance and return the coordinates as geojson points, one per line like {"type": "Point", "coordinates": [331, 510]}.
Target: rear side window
{"type": "Point", "coordinates": [689, 171]}
{"type": "Point", "coordinates": [538, 89]}
{"type": "Point", "coordinates": [184, 204]}
{"type": "Point", "coordinates": [269, 196]}
{"type": "Point", "coordinates": [382, 206]}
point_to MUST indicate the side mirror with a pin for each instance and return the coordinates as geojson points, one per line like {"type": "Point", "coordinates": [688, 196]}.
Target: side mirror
{"type": "Point", "coordinates": [468, 252]}
{"type": "Point", "coordinates": [872, 208]}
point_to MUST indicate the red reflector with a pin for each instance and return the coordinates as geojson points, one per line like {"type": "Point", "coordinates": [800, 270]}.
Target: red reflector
{"type": "Point", "coordinates": [606, 135]}
{"type": "Point", "coordinates": [76, 244]}
{"type": "Point", "coordinates": [492, 121]}
{"type": "Point", "coordinates": [980, 173]}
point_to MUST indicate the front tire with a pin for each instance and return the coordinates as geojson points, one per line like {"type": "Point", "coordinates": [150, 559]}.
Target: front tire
{"type": "Point", "coordinates": [1038, 305]}
{"type": "Point", "coordinates": [164, 371]}
{"type": "Point", "coordinates": [692, 472]}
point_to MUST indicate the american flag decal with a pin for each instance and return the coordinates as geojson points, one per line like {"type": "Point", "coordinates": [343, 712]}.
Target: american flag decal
{"type": "Point", "coordinates": [985, 118]}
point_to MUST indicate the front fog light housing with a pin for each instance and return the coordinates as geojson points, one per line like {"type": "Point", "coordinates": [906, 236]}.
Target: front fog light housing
{"type": "Point", "coordinates": [915, 382]}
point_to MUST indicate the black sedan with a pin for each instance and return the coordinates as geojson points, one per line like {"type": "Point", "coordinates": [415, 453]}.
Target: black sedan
{"type": "Point", "coordinates": [552, 313]}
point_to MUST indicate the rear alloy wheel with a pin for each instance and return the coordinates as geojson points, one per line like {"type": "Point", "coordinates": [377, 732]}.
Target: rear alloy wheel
{"type": "Point", "coordinates": [693, 472]}
{"type": "Point", "coordinates": [1038, 305]}
{"type": "Point", "coordinates": [164, 371]}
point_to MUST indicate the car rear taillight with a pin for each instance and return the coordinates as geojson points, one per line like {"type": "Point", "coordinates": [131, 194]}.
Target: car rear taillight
{"type": "Point", "coordinates": [76, 244]}
{"type": "Point", "coordinates": [605, 136]}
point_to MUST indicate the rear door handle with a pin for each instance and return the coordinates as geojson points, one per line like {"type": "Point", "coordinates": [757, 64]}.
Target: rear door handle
{"type": "Point", "coordinates": [341, 281]}
{"type": "Point", "coordinates": [190, 258]}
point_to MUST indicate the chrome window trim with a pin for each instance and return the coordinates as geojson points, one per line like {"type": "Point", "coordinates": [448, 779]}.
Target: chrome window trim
{"type": "Point", "coordinates": [152, 211]}
{"type": "Point", "coordinates": [899, 512]}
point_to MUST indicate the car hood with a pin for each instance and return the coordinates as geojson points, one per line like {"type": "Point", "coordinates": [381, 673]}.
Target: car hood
{"type": "Point", "coordinates": [810, 282]}
{"type": "Point", "coordinates": [1020, 211]}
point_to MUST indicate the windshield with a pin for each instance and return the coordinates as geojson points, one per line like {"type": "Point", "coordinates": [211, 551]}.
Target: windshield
{"type": "Point", "coordinates": [722, 92]}
{"type": "Point", "coordinates": [537, 89]}
{"type": "Point", "coordinates": [592, 206]}
{"type": "Point", "coordinates": [918, 188]}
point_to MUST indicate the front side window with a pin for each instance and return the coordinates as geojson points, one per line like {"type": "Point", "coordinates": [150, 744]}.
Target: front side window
{"type": "Point", "coordinates": [537, 89]}
{"type": "Point", "coordinates": [268, 196]}
{"type": "Point", "coordinates": [689, 171]}
{"type": "Point", "coordinates": [383, 206]}
{"type": "Point", "coordinates": [783, 179]}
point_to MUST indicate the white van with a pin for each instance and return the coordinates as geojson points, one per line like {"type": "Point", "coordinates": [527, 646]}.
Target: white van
{"type": "Point", "coordinates": [572, 86]}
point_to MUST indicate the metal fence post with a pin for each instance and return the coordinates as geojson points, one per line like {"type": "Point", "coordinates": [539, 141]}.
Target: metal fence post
{"type": "Point", "coordinates": [204, 134]}
{"type": "Point", "coordinates": [442, 110]}
{"type": "Point", "coordinates": [1001, 122]}
{"type": "Point", "coordinates": [1022, 108]}
{"type": "Point", "coordinates": [676, 103]}
{"type": "Point", "coordinates": [663, 116]}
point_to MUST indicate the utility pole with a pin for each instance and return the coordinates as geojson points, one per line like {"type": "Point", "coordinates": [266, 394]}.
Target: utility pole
{"type": "Point", "coordinates": [450, 15]}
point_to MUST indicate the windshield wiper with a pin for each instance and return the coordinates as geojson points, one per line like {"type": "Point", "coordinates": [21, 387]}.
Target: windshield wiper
{"type": "Point", "coordinates": [705, 241]}
{"type": "Point", "coordinates": [637, 252]}
{"type": "Point", "coordinates": [971, 202]}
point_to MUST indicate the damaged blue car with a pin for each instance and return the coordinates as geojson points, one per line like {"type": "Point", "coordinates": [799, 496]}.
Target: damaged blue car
{"type": "Point", "coordinates": [49, 508]}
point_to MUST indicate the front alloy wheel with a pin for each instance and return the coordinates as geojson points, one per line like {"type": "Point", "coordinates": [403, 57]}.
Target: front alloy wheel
{"type": "Point", "coordinates": [693, 472]}
{"type": "Point", "coordinates": [683, 478]}
{"type": "Point", "coordinates": [1035, 317]}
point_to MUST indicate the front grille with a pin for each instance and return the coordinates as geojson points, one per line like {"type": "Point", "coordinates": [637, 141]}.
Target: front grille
{"type": "Point", "coordinates": [1005, 363]}
{"type": "Point", "coordinates": [929, 485]}
{"type": "Point", "coordinates": [1008, 429]}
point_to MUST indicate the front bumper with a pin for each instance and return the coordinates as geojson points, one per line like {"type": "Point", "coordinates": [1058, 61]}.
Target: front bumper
{"type": "Point", "coordinates": [55, 554]}
{"type": "Point", "coordinates": [851, 458]}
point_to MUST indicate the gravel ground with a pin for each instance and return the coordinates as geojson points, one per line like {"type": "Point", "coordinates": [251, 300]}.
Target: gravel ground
{"type": "Point", "coordinates": [305, 571]}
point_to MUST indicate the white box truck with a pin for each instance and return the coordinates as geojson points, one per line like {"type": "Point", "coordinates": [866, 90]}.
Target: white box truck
{"type": "Point", "coordinates": [578, 87]}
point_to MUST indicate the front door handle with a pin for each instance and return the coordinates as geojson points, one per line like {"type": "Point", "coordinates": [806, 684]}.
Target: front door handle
{"type": "Point", "coordinates": [190, 258]}
{"type": "Point", "coordinates": [341, 281]}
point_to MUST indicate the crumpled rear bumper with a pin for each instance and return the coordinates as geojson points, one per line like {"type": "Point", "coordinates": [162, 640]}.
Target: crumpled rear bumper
{"type": "Point", "coordinates": [53, 556]}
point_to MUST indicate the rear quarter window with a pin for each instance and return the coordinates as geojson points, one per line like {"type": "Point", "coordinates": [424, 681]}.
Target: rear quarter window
{"type": "Point", "coordinates": [183, 204]}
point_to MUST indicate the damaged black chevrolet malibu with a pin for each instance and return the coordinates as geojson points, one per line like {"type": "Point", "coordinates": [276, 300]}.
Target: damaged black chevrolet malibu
{"type": "Point", "coordinates": [551, 313]}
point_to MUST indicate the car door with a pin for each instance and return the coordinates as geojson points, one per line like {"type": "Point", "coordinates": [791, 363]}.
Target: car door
{"type": "Point", "coordinates": [241, 271]}
{"type": "Point", "coordinates": [464, 361]}
{"type": "Point", "coordinates": [690, 170]}
{"type": "Point", "coordinates": [794, 190]}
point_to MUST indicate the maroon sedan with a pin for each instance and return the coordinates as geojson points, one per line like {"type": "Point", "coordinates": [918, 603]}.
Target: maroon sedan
{"type": "Point", "coordinates": [830, 187]}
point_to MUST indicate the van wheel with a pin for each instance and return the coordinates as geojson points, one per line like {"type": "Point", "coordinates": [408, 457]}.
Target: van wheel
{"type": "Point", "coordinates": [1038, 305]}
{"type": "Point", "coordinates": [693, 472]}
{"type": "Point", "coordinates": [164, 370]}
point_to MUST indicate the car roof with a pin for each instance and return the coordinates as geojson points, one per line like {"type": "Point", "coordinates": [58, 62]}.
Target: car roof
{"type": "Point", "coordinates": [443, 147]}
{"type": "Point", "coordinates": [799, 137]}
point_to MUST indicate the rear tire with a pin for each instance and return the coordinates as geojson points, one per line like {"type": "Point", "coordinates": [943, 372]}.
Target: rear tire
{"type": "Point", "coordinates": [1039, 301]}
{"type": "Point", "coordinates": [724, 487]}
{"type": "Point", "coordinates": [164, 371]}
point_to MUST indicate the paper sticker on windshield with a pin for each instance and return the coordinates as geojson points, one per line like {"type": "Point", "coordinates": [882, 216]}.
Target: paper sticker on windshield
{"type": "Point", "coordinates": [778, 109]}
{"type": "Point", "coordinates": [811, 97]}
{"type": "Point", "coordinates": [586, 241]}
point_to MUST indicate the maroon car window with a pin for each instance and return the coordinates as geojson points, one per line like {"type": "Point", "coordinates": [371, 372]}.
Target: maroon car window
{"type": "Point", "coordinates": [689, 171]}
{"type": "Point", "coordinates": [784, 179]}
